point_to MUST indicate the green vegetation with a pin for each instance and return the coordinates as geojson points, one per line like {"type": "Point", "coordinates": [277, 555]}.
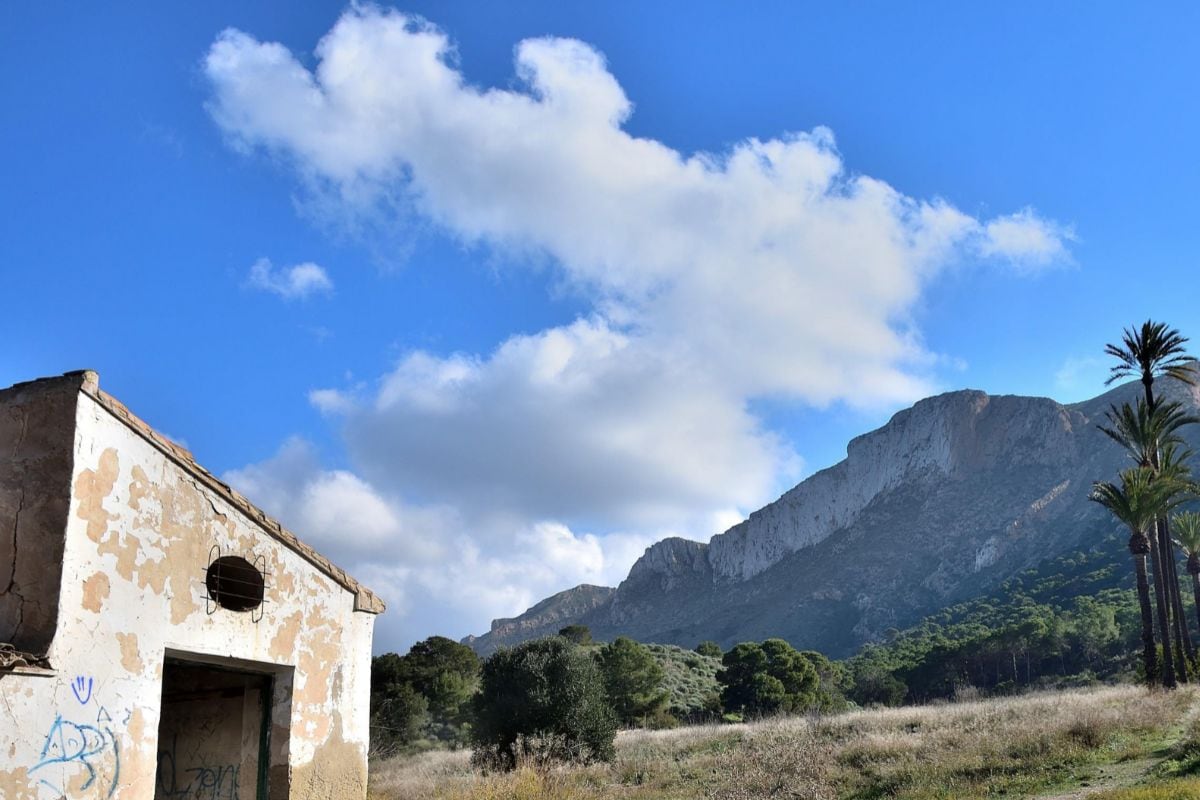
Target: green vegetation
{"type": "Point", "coordinates": [633, 680]}
{"type": "Point", "coordinates": [690, 680]}
{"type": "Point", "coordinates": [1159, 482]}
{"type": "Point", "coordinates": [577, 634]}
{"type": "Point", "coordinates": [424, 697]}
{"type": "Point", "coordinates": [542, 700]}
{"type": "Point", "coordinates": [1072, 620]}
{"type": "Point", "coordinates": [767, 678]}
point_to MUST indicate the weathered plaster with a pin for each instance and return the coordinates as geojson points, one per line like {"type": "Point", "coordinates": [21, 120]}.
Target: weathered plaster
{"type": "Point", "coordinates": [142, 525]}
{"type": "Point", "coordinates": [131, 657]}
{"type": "Point", "coordinates": [338, 770]}
{"type": "Point", "coordinates": [37, 421]}
{"type": "Point", "coordinates": [95, 591]}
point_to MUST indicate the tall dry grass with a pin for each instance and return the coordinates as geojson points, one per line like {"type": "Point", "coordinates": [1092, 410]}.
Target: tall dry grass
{"type": "Point", "coordinates": [962, 750]}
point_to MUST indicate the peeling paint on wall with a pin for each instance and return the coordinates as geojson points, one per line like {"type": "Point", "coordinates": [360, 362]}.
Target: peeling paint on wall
{"type": "Point", "coordinates": [95, 592]}
{"type": "Point", "coordinates": [142, 523]}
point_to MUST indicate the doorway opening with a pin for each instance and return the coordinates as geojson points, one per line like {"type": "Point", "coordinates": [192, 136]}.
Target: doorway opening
{"type": "Point", "coordinates": [213, 733]}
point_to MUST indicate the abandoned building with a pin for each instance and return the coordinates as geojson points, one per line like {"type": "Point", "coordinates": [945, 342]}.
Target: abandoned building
{"type": "Point", "coordinates": [160, 637]}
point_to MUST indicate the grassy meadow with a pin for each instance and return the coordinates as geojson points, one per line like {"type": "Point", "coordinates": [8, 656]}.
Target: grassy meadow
{"type": "Point", "coordinates": [1115, 743]}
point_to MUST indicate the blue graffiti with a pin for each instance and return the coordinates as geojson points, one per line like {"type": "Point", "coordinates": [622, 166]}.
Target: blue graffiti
{"type": "Point", "coordinates": [71, 743]}
{"type": "Point", "coordinates": [82, 687]}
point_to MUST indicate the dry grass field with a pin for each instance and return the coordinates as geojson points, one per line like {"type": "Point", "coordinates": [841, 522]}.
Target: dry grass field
{"type": "Point", "coordinates": [1108, 744]}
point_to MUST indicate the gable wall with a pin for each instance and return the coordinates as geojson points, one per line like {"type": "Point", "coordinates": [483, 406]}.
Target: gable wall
{"type": "Point", "coordinates": [139, 538]}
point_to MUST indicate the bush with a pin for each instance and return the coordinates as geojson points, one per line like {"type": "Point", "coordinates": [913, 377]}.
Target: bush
{"type": "Point", "coordinates": [876, 686]}
{"type": "Point", "coordinates": [710, 649]}
{"type": "Point", "coordinates": [439, 672]}
{"type": "Point", "coordinates": [541, 701]}
{"type": "Point", "coordinates": [577, 634]}
{"type": "Point", "coordinates": [690, 681]}
{"type": "Point", "coordinates": [766, 678]}
{"type": "Point", "coordinates": [832, 681]}
{"type": "Point", "coordinates": [633, 680]}
{"type": "Point", "coordinates": [398, 715]}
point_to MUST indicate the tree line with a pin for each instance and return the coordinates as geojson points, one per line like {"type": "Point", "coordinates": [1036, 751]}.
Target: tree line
{"type": "Point", "coordinates": [564, 696]}
{"type": "Point", "coordinates": [1072, 620]}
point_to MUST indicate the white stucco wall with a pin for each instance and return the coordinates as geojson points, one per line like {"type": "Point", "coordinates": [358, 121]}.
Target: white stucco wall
{"type": "Point", "coordinates": [138, 540]}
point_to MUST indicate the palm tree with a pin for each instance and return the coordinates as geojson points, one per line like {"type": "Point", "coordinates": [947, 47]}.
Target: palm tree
{"type": "Point", "coordinates": [1187, 536]}
{"type": "Point", "coordinates": [1137, 502]}
{"type": "Point", "coordinates": [1149, 353]}
{"type": "Point", "coordinates": [1150, 436]}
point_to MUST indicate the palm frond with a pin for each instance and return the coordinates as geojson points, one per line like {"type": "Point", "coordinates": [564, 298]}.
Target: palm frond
{"type": "Point", "coordinates": [1186, 527]}
{"type": "Point", "coordinates": [1149, 352]}
{"type": "Point", "coordinates": [1173, 461]}
{"type": "Point", "coordinates": [1145, 431]}
{"type": "Point", "coordinates": [1140, 498]}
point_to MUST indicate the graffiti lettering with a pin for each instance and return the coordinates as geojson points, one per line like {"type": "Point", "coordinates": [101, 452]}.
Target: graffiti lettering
{"type": "Point", "coordinates": [198, 783]}
{"type": "Point", "coordinates": [82, 687]}
{"type": "Point", "coordinates": [82, 746]}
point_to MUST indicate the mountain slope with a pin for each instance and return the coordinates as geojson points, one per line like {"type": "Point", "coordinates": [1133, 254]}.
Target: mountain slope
{"type": "Point", "coordinates": [943, 503]}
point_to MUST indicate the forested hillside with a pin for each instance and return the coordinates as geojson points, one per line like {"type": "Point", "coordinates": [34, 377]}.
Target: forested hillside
{"type": "Point", "coordinates": [1072, 618]}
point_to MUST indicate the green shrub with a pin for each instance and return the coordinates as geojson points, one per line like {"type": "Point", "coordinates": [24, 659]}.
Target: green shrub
{"type": "Point", "coordinates": [577, 634]}
{"type": "Point", "coordinates": [398, 716]}
{"type": "Point", "coordinates": [541, 701]}
{"type": "Point", "coordinates": [439, 672]}
{"type": "Point", "coordinates": [633, 680]}
{"type": "Point", "coordinates": [690, 680]}
{"type": "Point", "coordinates": [766, 678]}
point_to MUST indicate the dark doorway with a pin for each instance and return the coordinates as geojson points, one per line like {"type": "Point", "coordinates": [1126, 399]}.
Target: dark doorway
{"type": "Point", "coordinates": [212, 736]}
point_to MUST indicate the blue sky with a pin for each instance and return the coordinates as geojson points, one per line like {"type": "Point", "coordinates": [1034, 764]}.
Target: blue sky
{"type": "Point", "coordinates": [551, 322]}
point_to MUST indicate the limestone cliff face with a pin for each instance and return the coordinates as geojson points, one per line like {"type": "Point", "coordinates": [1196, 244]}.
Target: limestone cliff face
{"type": "Point", "coordinates": [937, 439]}
{"type": "Point", "coordinates": [945, 501]}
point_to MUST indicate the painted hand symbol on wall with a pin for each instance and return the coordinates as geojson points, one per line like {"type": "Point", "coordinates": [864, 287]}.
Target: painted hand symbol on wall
{"type": "Point", "coordinates": [82, 687]}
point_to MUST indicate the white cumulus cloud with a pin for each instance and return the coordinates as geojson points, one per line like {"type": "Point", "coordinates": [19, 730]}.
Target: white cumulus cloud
{"type": "Point", "coordinates": [1027, 239]}
{"type": "Point", "coordinates": [291, 283]}
{"type": "Point", "coordinates": [580, 422]}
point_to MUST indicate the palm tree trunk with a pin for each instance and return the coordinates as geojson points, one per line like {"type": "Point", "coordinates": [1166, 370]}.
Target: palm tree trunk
{"type": "Point", "coordinates": [1181, 623]}
{"type": "Point", "coordinates": [1196, 593]}
{"type": "Point", "coordinates": [1164, 623]}
{"type": "Point", "coordinates": [1174, 604]}
{"type": "Point", "coordinates": [1187, 634]}
{"type": "Point", "coordinates": [1149, 651]}
{"type": "Point", "coordinates": [1158, 556]}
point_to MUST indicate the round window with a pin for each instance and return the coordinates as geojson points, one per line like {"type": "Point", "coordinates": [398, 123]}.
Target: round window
{"type": "Point", "coordinates": [235, 584]}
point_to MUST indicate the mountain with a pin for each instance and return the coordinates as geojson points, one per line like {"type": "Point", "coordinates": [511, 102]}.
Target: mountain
{"type": "Point", "coordinates": [548, 616]}
{"type": "Point", "coordinates": [943, 503]}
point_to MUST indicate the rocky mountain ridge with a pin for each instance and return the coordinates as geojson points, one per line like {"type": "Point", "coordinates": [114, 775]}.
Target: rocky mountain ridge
{"type": "Point", "coordinates": [945, 501]}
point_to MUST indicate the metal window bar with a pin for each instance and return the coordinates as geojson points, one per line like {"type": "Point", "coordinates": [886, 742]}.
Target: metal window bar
{"type": "Point", "coordinates": [259, 563]}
